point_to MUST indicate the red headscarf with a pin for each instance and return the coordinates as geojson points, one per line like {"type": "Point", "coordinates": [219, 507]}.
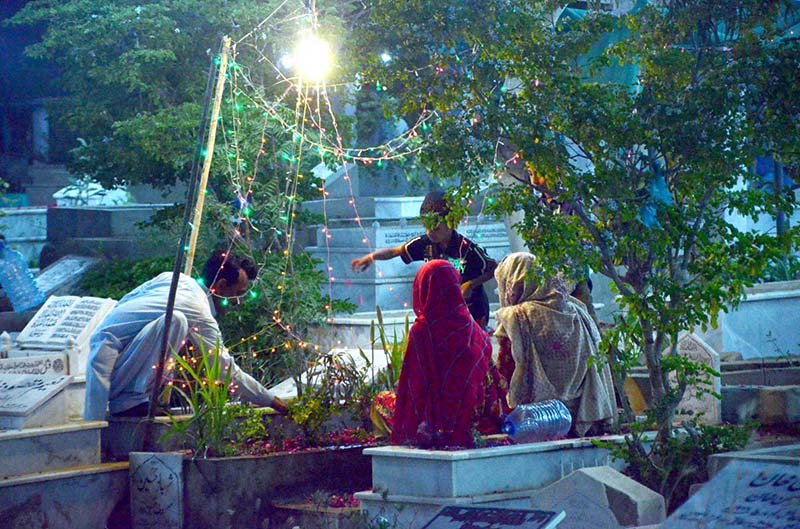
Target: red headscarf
{"type": "Point", "coordinates": [440, 395]}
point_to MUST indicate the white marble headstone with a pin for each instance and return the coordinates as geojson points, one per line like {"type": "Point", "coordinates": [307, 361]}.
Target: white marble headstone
{"type": "Point", "coordinates": [64, 323]}
{"type": "Point", "coordinates": [744, 495]}
{"type": "Point", "coordinates": [27, 401]}
{"type": "Point", "coordinates": [700, 402]}
{"type": "Point", "coordinates": [156, 490]}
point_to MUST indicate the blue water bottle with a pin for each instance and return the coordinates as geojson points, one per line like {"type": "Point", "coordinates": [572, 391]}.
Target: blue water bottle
{"type": "Point", "coordinates": [17, 281]}
{"type": "Point", "coordinates": [539, 421]}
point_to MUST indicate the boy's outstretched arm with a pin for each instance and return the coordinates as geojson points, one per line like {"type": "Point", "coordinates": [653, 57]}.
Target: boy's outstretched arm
{"type": "Point", "coordinates": [468, 286]}
{"type": "Point", "coordinates": [384, 254]}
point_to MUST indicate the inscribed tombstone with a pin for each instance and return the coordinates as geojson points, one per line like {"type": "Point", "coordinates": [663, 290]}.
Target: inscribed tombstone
{"type": "Point", "coordinates": [156, 490]}
{"type": "Point", "coordinates": [744, 495]}
{"type": "Point", "coordinates": [31, 400]}
{"type": "Point", "coordinates": [700, 402]}
{"type": "Point", "coordinates": [47, 364]}
{"type": "Point", "coordinates": [63, 319]}
{"type": "Point", "coordinates": [455, 517]}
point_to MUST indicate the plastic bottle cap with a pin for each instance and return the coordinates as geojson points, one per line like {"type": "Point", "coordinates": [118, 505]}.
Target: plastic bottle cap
{"type": "Point", "coordinates": [508, 428]}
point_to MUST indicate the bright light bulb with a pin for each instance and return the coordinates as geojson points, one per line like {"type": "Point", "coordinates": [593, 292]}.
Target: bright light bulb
{"type": "Point", "coordinates": [313, 58]}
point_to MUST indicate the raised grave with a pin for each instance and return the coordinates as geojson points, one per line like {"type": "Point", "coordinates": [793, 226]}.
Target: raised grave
{"type": "Point", "coordinates": [782, 455]}
{"type": "Point", "coordinates": [409, 485]}
{"type": "Point", "coordinates": [744, 495]}
{"type": "Point", "coordinates": [28, 401]}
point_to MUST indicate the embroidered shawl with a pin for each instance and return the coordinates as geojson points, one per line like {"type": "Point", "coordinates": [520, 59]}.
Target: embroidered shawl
{"type": "Point", "coordinates": [552, 338]}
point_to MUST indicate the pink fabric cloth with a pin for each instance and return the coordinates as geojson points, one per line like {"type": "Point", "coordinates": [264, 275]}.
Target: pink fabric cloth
{"type": "Point", "coordinates": [442, 389]}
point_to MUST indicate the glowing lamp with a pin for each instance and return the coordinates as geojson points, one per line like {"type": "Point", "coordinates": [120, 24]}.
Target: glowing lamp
{"type": "Point", "coordinates": [312, 59]}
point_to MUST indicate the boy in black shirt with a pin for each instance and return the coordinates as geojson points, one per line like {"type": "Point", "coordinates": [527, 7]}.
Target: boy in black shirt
{"type": "Point", "coordinates": [443, 242]}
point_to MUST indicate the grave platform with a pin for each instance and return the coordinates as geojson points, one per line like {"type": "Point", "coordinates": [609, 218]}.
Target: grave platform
{"type": "Point", "coordinates": [51, 448]}
{"type": "Point", "coordinates": [85, 497]}
{"type": "Point", "coordinates": [409, 485]}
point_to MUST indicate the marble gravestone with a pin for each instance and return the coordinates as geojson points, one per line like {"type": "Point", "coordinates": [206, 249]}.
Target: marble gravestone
{"type": "Point", "coordinates": [29, 401]}
{"type": "Point", "coordinates": [458, 517]}
{"type": "Point", "coordinates": [45, 364]}
{"type": "Point", "coordinates": [744, 495]}
{"type": "Point", "coordinates": [699, 401]}
{"type": "Point", "coordinates": [156, 490]}
{"type": "Point", "coordinates": [63, 273]}
{"type": "Point", "coordinates": [63, 324]}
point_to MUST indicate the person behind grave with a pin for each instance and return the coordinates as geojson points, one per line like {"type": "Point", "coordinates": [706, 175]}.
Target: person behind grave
{"type": "Point", "coordinates": [546, 338]}
{"type": "Point", "coordinates": [447, 388]}
{"type": "Point", "coordinates": [442, 241]}
{"type": "Point", "coordinates": [126, 347]}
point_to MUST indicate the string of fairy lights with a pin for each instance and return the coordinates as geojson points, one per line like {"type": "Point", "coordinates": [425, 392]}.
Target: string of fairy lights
{"type": "Point", "coordinates": [315, 131]}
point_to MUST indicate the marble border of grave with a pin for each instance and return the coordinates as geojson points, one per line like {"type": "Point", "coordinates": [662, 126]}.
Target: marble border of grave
{"type": "Point", "coordinates": [415, 472]}
{"type": "Point", "coordinates": [49, 448]}
{"type": "Point", "coordinates": [783, 455]}
{"type": "Point", "coordinates": [228, 491]}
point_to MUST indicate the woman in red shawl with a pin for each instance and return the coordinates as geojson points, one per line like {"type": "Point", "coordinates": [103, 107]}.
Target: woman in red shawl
{"type": "Point", "coordinates": [442, 393]}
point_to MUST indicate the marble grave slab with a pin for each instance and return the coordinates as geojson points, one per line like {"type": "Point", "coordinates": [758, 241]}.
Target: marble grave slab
{"type": "Point", "coordinates": [458, 517]}
{"type": "Point", "coordinates": [744, 495]}
{"type": "Point", "coordinates": [28, 401]}
{"type": "Point", "coordinates": [63, 273]}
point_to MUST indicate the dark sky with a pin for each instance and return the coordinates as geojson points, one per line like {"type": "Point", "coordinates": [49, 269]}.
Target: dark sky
{"type": "Point", "coordinates": [21, 79]}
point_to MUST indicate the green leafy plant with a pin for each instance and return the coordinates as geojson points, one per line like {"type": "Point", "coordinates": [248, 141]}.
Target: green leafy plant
{"type": "Point", "coordinates": [205, 386]}
{"type": "Point", "coordinates": [115, 279]}
{"type": "Point", "coordinates": [672, 467]}
{"type": "Point", "coordinates": [394, 350]}
{"type": "Point", "coordinates": [336, 386]}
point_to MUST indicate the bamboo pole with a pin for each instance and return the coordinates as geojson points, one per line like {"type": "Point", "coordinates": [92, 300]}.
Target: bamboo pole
{"type": "Point", "coordinates": [212, 133]}
{"type": "Point", "coordinates": [179, 253]}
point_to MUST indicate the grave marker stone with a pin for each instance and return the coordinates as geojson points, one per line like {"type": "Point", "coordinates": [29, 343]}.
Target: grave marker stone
{"type": "Point", "coordinates": [28, 401]}
{"type": "Point", "coordinates": [744, 495]}
{"type": "Point", "coordinates": [456, 517]}
{"type": "Point", "coordinates": [63, 273]}
{"type": "Point", "coordinates": [703, 405]}
{"type": "Point", "coordinates": [64, 323]}
{"type": "Point", "coordinates": [156, 490]}
{"type": "Point", "coordinates": [47, 364]}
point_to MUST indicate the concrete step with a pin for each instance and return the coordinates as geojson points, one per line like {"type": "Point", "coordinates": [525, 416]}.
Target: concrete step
{"type": "Point", "coordinates": [92, 496]}
{"type": "Point", "coordinates": [50, 448]}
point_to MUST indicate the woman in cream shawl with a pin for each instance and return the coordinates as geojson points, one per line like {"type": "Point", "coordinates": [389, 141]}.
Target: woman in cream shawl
{"type": "Point", "coordinates": [546, 338]}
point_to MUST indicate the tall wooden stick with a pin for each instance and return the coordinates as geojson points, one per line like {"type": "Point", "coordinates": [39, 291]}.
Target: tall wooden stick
{"type": "Point", "coordinates": [191, 197]}
{"type": "Point", "coordinates": [212, 133]}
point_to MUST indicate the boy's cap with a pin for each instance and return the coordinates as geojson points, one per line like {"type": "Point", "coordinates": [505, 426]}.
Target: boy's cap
{"type": "Point", "coordinates": [434, 202]}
